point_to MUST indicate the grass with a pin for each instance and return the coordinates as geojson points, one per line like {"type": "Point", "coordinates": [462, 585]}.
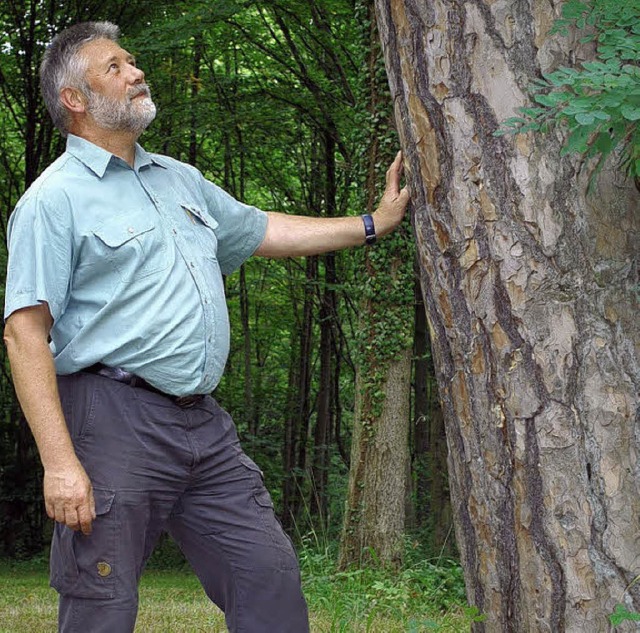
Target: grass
{"type": "Point", "coordinates": [423, 597]}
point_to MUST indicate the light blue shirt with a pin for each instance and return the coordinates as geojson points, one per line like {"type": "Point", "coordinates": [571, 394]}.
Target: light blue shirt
{"type": "Point", "coordinates": [130, 262]}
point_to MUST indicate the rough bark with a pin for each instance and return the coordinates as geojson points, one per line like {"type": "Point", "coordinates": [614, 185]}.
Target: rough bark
{"type": "Point", "coordinates": [374, 518]}
{"type": "Point", "coordinates": [529, 290]}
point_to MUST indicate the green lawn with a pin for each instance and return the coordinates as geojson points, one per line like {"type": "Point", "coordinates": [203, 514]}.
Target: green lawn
{"type": "Point", "coordinates": [345, 602]}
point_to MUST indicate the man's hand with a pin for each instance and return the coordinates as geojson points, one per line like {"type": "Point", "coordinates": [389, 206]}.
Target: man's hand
{"type": "Point", "coordinates": [297, 236]}
{"type": "Point", "coordinates": [394, 201]}
{"type": "Point", "coordinates": [68, 497]}
{"type": "Point", "coordinates": [68, 493]}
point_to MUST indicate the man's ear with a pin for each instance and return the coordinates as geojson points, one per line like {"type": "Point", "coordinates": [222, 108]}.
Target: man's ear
{"type": "Point", "coordinates": [73, 99]}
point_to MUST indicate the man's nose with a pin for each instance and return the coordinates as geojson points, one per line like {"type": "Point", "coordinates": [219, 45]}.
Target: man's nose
{"type": "Point", "coordinates": [137, 75]}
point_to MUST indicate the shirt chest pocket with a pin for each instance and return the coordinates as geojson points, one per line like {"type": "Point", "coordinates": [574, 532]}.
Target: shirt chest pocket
{"type": "Point", "coordinates": [135, 247]}
{"type": "Point", "coordinates": [203, 227]}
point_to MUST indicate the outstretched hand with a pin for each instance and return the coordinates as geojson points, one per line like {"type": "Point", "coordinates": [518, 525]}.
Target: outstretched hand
{"type": "Point", "coordinates": [394, 201]}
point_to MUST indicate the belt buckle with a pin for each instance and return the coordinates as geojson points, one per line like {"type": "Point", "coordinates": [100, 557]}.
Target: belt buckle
{"type": "Point", "coordinates": [186, 402]}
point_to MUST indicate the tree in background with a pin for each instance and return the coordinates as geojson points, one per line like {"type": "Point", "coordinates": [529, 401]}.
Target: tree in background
{"type": "Point", "coordinates": [374, 522]}
{"type": "Point", "coordinates": [529, 284]}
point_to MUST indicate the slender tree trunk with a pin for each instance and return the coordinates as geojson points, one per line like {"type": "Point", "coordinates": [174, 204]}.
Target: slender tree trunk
{"type": "Point", "coordinates": [326, 398]}
{"type": "Point", "coordinates": [529, 290]}
{"type": "Point", "coordinates": [374, 519]}
{"type": "Point", "coordinates": [297, 426]}
{"type": "Point", "coordinates": [421, 379]}
{"type": "Point", "coordinates": [249, 403]}
{"type": "Point", "coordinates": [195, 89]}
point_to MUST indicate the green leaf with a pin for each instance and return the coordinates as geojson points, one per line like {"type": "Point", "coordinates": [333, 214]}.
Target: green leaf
{"type": "Point", "coordinates": [551, 100]}
{"type": "Point", "coordinates": [532, 112]}
{"type": "Point", "coordinates": [630, 112]}
{"type": "Point", "coordinates": [577, 141]}
{"type": "Point", "coordinates": [585, 118]}
{"type": "Point", "coordinates": [621, 615]}
{"type": "Point", "coordinates": [603, 143]}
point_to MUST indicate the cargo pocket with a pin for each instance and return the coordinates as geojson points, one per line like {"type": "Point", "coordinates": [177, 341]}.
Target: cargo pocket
{"type": "Point", "coordinates": [286, 556]}
{"type": "Point", "coordinates": [85, 566]}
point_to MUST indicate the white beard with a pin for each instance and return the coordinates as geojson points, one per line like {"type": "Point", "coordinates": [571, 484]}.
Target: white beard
{"type": "Point", "coordinates": [132, 115]}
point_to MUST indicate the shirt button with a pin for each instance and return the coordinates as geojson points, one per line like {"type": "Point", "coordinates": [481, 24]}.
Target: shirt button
{"type": "Point", "coordinates": [174, 231]}
{"type": "Point", "coordinates": [131, 229]}
{"type": "Point", "coordinates": [192, 265]}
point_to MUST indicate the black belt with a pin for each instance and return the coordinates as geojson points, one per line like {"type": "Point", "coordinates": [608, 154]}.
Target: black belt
{"type": "Point", "coordinates": [115, 373]}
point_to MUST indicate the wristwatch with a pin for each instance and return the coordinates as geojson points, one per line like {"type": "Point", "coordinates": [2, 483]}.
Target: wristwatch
{"type": "Point", "coordinates": [369, 229]}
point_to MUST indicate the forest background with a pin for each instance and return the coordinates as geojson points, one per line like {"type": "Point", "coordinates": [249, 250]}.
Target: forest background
{"type": "Point", "coordinates": [286, 106]}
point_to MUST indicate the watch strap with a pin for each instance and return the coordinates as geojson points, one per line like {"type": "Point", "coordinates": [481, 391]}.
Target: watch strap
{"type": "Point", "coordinates": [369, 229]}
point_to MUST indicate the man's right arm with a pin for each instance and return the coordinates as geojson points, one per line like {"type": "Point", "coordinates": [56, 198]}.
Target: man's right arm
{"type": "Point", "coordinates": [68, 493]}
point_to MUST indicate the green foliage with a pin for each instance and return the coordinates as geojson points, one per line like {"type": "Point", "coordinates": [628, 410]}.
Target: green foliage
{"type": "Point", "coordinates": [598, 103]}
{"type": "Point", "coordinates": [621, 614]}
{"type": "Point", "coordinates": [423, 595]}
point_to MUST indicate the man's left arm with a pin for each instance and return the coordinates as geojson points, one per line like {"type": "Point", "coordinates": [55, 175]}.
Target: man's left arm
{"type": "Point", "coordinates": [295, 235]}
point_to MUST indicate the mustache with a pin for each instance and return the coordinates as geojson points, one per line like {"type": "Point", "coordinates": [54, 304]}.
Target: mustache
{"type": "Point", "coordinates": [136, 91]}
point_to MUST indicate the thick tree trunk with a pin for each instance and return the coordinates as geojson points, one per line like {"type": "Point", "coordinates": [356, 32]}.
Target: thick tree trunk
{"type": "Point", "coordinates": [529, 290]}
{"type": "Point", "coordinates": [374, 517]}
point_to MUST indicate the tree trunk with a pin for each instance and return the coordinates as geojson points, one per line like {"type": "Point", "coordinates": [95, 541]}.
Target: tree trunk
{"type": "Point", "coordinates": [529, 290]}
{"type": "Point", "coordinates": [328, 313]}
{"type": "Point", "coordinates": [374, 517]}
{"type": "Point", "coordinates": [374, 521]}
{"type": "Point", "coordinates": [249, 401]}
{"type": "Point", "coordinates": [297, 424]}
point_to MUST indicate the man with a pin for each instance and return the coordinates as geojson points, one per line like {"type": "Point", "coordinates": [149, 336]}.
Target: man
{"type": "Point", "coordinates": [116, 328]}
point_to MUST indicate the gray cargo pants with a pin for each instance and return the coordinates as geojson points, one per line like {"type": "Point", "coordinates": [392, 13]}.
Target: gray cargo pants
{"type": "Point", "coordinates": [157, 467]}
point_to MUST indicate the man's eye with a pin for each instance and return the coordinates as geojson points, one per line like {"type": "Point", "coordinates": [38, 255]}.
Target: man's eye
{"type": "Point", "coordinates": [113, 66]}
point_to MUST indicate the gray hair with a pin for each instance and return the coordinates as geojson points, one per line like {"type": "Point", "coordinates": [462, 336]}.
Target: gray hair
{"type": "Point", "coordinates": [63, 67]}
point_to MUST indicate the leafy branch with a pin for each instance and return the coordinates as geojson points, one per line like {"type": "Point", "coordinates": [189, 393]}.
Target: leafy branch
{"type": "Point", "coordinates": [599, 103]}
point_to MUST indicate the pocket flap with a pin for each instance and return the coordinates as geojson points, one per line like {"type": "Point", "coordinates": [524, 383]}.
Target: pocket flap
{"type": "Point", "coordinates": [204, 217]}
{"type": "Point", "coordinates": [103, 499]}
{"type": "Point", "coordinates": [263, 499]}
{"type": "Point", "coordinates": [116, 234]}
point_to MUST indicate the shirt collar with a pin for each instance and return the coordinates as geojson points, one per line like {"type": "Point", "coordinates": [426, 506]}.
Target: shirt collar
{"type": "Point", "coordinates": [97, 159]}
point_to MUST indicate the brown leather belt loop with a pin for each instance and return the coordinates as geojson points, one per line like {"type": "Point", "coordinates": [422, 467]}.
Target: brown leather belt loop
{"type": "Point", "coordinates": [120, 375]}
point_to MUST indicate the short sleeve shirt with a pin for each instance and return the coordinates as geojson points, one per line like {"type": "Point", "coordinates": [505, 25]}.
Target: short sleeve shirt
{"type": "Point", "coordinates": [130, 263]}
